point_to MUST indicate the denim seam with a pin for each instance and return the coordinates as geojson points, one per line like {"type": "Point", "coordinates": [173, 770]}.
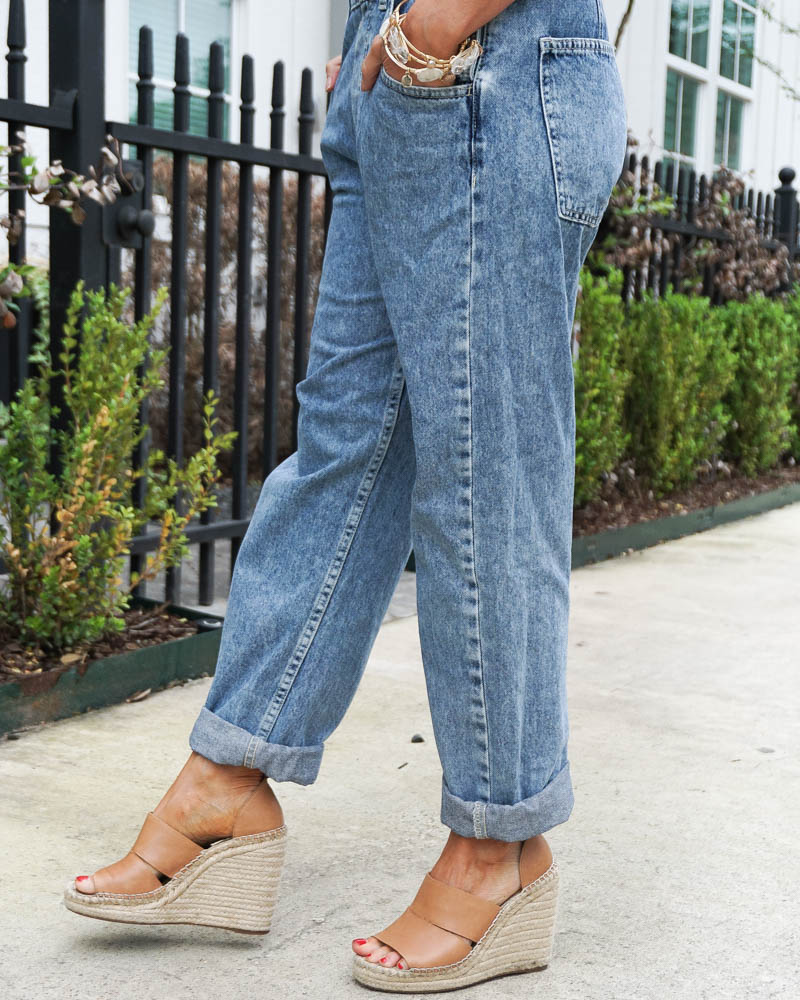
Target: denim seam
{"type": "Point", "coordinates": [474, 581]}
{"type": "Point", "coordinates": [479, 820]}
{"type": "Point", "coordinates": [577, 43]}
{"type": "Point", "coordinates": [334, 571]}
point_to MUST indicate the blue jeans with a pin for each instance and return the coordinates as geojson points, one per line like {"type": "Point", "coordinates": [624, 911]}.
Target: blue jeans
{"type": "Point", "coordinates": [437, 414]}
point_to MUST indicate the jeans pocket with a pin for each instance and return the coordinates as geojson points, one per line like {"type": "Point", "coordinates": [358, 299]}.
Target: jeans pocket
{"type": "Point", "coordinates": [419, 92]}
{"type": "Point", "coordinates": [584, 111]}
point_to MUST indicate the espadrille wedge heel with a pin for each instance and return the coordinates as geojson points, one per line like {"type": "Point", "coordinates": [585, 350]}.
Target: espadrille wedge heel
{"type": "Point", "coordinates": [515, 937]}
{"type": "Point", "coordinates": [232, 883]}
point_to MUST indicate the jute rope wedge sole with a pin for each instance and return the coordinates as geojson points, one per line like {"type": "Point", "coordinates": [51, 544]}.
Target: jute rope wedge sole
{"type": "Point", "coordinates": [232, 883]}
{"type": "Point", "coordinates": [518, 938]}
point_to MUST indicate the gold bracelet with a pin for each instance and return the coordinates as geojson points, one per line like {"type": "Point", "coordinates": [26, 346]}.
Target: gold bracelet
{"type": "Point", "coordinates": [401, 51]}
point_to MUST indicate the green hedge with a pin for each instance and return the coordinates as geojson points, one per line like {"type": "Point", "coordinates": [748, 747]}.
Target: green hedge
{"type": "Point", "coordinates": [763, 334]}
{"type": "Point", "coordinates": [600, 382]}
{"type": "Point", "coordinates": [675, 382]}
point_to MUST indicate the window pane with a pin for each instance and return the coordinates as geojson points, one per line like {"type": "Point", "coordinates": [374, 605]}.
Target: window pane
{"type": "Point", "coordinates": [688, 115]}
{"type": "Point", "coordinates": [700, 15]}
{"type": "Point", "coordinates": [679, 28]}
{"type": "Point", "coordinates": [746, 46]}
{"type": "Point", "coordinates": [719, 136]}
{"type": "Point", "coordinates": [727, 56]}
{"type": "Point", "coordinates": [162, 17]}
{"type": "Point", "coordinates": [671, 111]}
{"type": "Point", "coordinates": [208, 21]}
{"type": "Point", "coordinates": [735, 133]}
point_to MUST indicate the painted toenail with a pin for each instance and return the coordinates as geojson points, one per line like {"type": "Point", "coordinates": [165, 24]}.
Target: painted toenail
{"type": "Point", "coordinates": [360, 941]}
{"type": "Point", "coordinates": [400, 965]}
{"type": "Point", "coordinates": [383, 959]}
{"type": "Point", "coordinates": [81, 878]}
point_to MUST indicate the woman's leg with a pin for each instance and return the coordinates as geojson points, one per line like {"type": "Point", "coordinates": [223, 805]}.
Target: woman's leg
{"type": "Point", "coordinates": [330, 534]}
{"type": "Point", "coordinates": [321, 558]}
{"type": "Point", "coordinates": [479, 262]}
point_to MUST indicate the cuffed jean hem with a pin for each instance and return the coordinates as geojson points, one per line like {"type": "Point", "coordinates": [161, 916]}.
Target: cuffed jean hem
{"type": "Point", "coordinates": [225, 743]}
{"type": "Point", "coordinates": [520, 821]}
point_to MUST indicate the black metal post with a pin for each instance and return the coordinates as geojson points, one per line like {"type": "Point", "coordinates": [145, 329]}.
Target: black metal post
{"type": "Point", "coordinates": [216, 112]}
{"type": "Point", "coordinates": [16, 59]}
{"type": "Point", "coordinates": [145, 90]}
{"type": "Point", "coordinates": [786, 213]}
{"type": "Point", "coordinates": [177, 300]}
{"type": "Point", "coordinates": [303, 244]}
{"type": "Point", "coordinates": [14, 343]}
{"type": "Point", "coordinates": [77, 62]}
{"type": "Point", "coordinates": [244, 303]}
{"type": "Point", "coordinates": [272, 381]}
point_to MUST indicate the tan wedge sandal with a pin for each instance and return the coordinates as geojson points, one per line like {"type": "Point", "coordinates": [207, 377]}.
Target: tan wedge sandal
{"type": "Point", "coordinates": [514, 937]}
{"type": "Point", "coordinates": [232, 883]}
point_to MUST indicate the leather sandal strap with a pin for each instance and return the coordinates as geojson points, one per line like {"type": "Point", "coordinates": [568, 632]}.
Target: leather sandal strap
{"type": "Point", "coordinates": [411, 937]}
{"type": "Point", "coordinates": [163, 847]}
{"type": "Point", "coordinates": [454, 909]}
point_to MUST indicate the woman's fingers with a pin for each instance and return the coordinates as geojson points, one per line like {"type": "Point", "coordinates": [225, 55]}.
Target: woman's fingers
{"type": "Point", "coordinates": [332, 67]}
{"type": "Point", "coordinates": [372, 63]}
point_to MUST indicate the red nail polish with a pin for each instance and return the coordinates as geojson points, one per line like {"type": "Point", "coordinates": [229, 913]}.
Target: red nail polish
{"type": "Point", "coordinates": [360, 941]}
{"type": "Point", "coordinates": [383, 960]}
{"type": "Point", "coordinates": [399, 965]}
{"type": "Point", "coordinates": [81, 878]}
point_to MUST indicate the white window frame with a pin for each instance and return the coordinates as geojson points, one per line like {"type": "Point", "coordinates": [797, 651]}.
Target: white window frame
{"type": "Point", "coordinates": [710, 81]}
{"type": "Point", "coordinates": [740, 5]}
{"type": "Point", "coordinates": [689, 36]}
{"type": "Point", "coordinates": [679, 157]}
{"type": "Point", "coordinates": [727, 129]}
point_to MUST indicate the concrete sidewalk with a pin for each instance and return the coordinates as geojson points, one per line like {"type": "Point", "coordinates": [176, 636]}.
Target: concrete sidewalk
{"type": "Point", "coordinates": [681, 861]}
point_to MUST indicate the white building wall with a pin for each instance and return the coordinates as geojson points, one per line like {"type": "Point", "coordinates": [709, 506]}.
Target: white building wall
{"type": "Point", "coordinates": [771, 124]}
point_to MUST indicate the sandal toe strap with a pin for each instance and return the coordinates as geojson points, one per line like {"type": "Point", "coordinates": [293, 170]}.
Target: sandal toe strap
{"type": "Point", "coordinates": [422, 945]}
{"type": "Point", "coordinates": [163, 847]}
{"type": "Point", "coordinates": [417, 933]}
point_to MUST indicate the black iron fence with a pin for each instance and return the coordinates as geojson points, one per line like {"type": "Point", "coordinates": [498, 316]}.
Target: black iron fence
{"type": "Point", "coordinates": [774, 216]}
{"type": "Point", "coordinates": [75, 120]}
{"type": "Point", "coordinates": [93, 251]}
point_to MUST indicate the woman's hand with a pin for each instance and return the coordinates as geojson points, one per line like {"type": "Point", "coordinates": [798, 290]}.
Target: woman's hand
{"type": "Point", "coordinates": [424, 29]}
{"type": "Point", "coordinates": [435, 26]}
{"type": "Point", "coordinates": [332, 67]}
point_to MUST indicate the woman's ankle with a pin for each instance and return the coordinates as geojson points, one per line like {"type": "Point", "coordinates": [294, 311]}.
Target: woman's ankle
{"type": "Point", "coordinates": [199, 771]}
{"type": "Point", "coordinates": [483, 850]}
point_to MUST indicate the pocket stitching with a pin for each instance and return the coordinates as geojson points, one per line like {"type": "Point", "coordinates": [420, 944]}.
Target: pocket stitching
{"type": "Point", "coordinates": [417, 93]}
{"type": "Point", "coordinates": [552, 45]}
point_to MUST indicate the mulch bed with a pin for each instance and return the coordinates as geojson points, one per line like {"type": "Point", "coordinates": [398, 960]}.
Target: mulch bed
{"type": "Point", "coordinates": [627, 502]}
{"type": "Point", "coordinates": [143, 627]}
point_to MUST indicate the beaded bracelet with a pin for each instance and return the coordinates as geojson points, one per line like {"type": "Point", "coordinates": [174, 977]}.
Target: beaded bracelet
{"type": "Point", "coordinates": [402, 51]}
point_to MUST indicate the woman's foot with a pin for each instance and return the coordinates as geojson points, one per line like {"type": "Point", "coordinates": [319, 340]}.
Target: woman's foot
{"type": "Point", "coordinates": [202, 803]}
{"type": "Point", "coordinates": [486, 868]}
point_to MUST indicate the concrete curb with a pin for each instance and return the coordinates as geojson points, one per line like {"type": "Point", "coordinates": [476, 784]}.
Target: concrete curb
{"type": "Point", "coordinates": [607, 544]}
{"type": "Point", "coordinates": [49, 696]}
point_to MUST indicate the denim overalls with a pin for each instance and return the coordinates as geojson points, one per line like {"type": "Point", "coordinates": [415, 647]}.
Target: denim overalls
{"type": "Point", "coordinates": [437, 414]}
